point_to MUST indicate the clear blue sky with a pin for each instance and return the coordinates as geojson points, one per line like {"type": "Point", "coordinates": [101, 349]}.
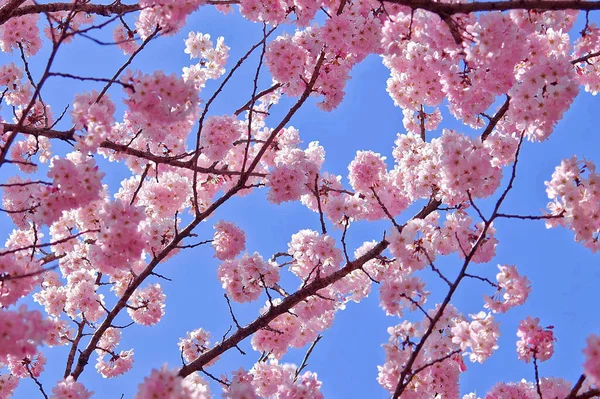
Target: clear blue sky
{"type": "Point", "coordinates": [564, 275]}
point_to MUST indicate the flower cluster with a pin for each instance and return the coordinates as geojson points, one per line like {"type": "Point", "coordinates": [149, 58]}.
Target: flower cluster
{"type": "Point", "coordinates": [21, 31]}
{"type": "Point", "coordinates": [212, 60]}
{"type": "Point", "coordinates": [21, 332]}
{"type": "Point", "coordinates": [17, 264]}
{"type": "Point", "coordinates": [196, 343]}
{"type": "Point", "coordinates": [159, 98]}
{"type": "Point", "coordinates": [439, 351]}
{"type": "Point", "coordinates": [575, 191]}
{"type": "Point", "coordinates": [246, 278]}
{"type": "Point", "coordinates": [314, 254]}
{"type": "Point", "coordinates": [455, 164]}
{"type": "Point", "coordinates": [8, 384]}
{"type": "Point", "coordinates": [165, 383]}
{"type": "Point", "coordinates": [95, 114]}
{"type": "Point", "coordinates": [70, 389]}
{"type": "Point", "coordinates": [591, 366]}
{"type": "Point", "coordinates": [588, 69]}
{"type": "Point", "coordinates": [480, 335]}
{"type": "Point", "coordinates": [76, 182]}
{"type": "Point", "coordinates": [17, 91]}
{"type": "Point", "coordinates": [278, 381]}
{"type": "Point", "coordinates": [119, 243]}
{"type": "Point", "coordinates": [366, 170]}
{"type": "Point", "coordinates": [168, 15]}
{"type": "Point", "coordinates": [218, 135]}
{"type": "Point", "coordinates": [514, 289]}
{"type": "Point", "coordinates": [116, 365]}
{"type": "Point", "coordinates": [535, 342]}
{"type": "Point", "coordinates": [229, 240]}
{"type": "Point", "coordinates": [295, 173]}
{"type": "Point", "coordinates": [146, 306]}
{"type": "Point", "coordinates": [296, 328]}
{"type": "Point", "coordinates": [344, 40]}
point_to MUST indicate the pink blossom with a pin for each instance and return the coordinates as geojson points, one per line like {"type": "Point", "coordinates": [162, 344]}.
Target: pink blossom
{"type": "Point", "coordinates": [591, 366]}
{"type": "Point", "coordinates": [70, 389]}
{"type": "Point", "coordinates": [147, 305]}
{"type": "Point", "coordinates": [218, 135]}
{"type": "Point", "coordinates": [8, 384]}
{"type": "Point", "coordinates": [170, 15]}
{"type": "Point", "coordinates": [165, 383]}
{"type": "Point", "coordinates": [246, 278]}
{"type": "Point", "coordinates": [116, 365]}
{"type": "Point", "coordinates": [196, 343]}
{"type": "Point", "coordinates": [513, 287]}
{"type": "Point", "coordinates": [535, 341]}
{"type": "Point", "coordinates": [366, 170]}
{"type": "Point", "coordinates": [229, 240]}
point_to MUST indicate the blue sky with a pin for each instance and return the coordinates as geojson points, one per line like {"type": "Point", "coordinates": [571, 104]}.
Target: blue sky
{"type": "Point", "coordinates": [564, 274]}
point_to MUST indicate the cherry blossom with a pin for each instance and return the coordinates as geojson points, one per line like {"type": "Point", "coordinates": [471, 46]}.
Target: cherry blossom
{"type": "Point", "coordinates": [592, 359]}
{"type": "Point", "coordinates": [69, 388]}
{"type": "Point", "coordinates": [514, 289]}
{"type": "Point", "coordinates": [535, 342]}
{"type": "Point", "coordinates": [477, 87]}
{"type": "Point", "coordinates": [229, 240]}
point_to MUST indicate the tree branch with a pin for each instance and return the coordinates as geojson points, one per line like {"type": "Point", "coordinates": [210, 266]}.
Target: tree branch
{"type": "Point", "coordinates": [479, 6]}
{"type": "Point", "coordinates": [88, 8]}
{"type": "Point", "coordinates": [286, 304]}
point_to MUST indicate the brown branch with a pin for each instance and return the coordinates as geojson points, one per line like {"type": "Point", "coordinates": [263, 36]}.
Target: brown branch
{"type": "Point", "coordinates": [37, 382]}
{"type": "Point", "coordinates": [319, 207]}
{"type": "Point", "coordinates": [405, 376]}
{"type": "Point", "coordinates": [92, 79]}
{"type": "Point", "coordinates": [74, 346]}
{"type": "Point", "coordinates": [414, 302]}
{"type": "Point", "coordinates": [422, 122]}
{"type": "Point", "coordinates": [257, 97]}
{"type": "Point", "coordinates": [480, 6]}
{"type": "Point", "coordinates": [433, 362]}
{"type": "Point", "coordinates": [8, 10]}
{"type": "Point", "coordinates": [158, 258]}
{"type": "Point", "coordinates": [529, 217]}
{"type": "Point", "coordinates": [173, 161]}
{"type": "Point", "coordinates": [253, 96]}
{"type": "Point", "coordinates": [27, 183]}
{"type": "Point", "coordinates": [537, 377]}
{"type": "Point", "coordinates": [139, 187]}
{"type": "Point", "coordinates": [125, 149]}
{"type": "Point", "coordinates": [592, 393]}
{"type": "Point", "coordinates": [585, 58]}
{"type": "Point", "coordinates": [495, 119]}
{"type": "Point", "coordinates": [484, 279]}
{"type": "Point", "coordinates": [435, 269]}
{"type": "Point", "coordinates": [35, 131]}
{"type": "Point", "coordinates": [262, 322]}
{"type": "Point", "coordinates": [26, 275]}
{"type": "Point", "coordinates": [212, 377]}
{"type": "Point", "coordinates": [308, 353]}
{"type": "Point", "coordinates": [127, 63]}
{"type": "Point", "coordinates": [88, 8]}
{"type": "Point", "coordinates": [35, 246]}
{"type": "Point", "coordinates": [386, 211]}
{"type": "Point", "coordinates": [286, 304]}
{"type": "Point", "coordinates": [576, 387]}
{"type": "Point", "coordinates": [229, 75]}
{"type": "Point", "coordinates": [231, 311]}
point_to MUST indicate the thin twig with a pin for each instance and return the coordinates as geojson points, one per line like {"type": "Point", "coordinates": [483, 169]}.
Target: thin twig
{"type": "Point", "coordinates": [231, 311]}
{"type": "Point", "coordinates": [308, 353]}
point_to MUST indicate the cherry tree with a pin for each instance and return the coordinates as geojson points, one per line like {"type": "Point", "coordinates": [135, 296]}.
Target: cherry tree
{"type": "Point", "coordinates": [85, 260]}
